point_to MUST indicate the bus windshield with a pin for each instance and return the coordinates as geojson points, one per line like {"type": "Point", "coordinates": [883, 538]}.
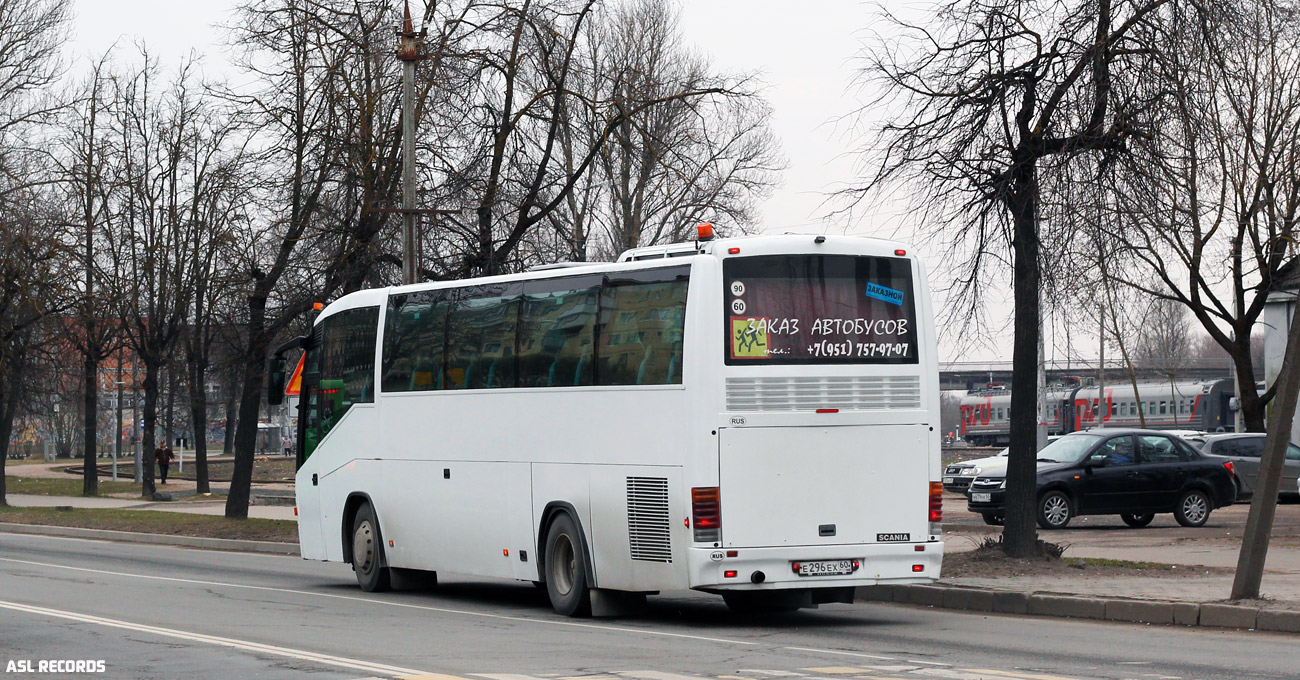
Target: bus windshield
{"type": "Point", "coordinates": [819, 309]}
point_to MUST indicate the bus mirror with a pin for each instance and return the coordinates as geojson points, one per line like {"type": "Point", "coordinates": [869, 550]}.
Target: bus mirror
{"type": "Point", "coordinates": [275, 382]}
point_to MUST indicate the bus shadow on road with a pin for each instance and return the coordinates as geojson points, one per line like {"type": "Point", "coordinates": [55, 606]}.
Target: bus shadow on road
{"type": "Point", "coordinates": [686, 608]}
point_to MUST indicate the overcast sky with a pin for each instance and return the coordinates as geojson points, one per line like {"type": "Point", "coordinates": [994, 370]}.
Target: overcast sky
{"type": "Point", "coordinates": [806, 58]}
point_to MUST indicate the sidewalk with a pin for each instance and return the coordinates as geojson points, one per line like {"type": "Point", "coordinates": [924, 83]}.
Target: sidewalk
{"type": "Point", "coordinates": [1192, 599]}
{"type": "Point", "coordinates": [269, 500]}
{"type": "Point", "coordinates": [217, 507]}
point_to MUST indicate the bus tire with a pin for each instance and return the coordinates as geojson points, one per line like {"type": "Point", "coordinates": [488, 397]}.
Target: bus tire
{"type": "Point", "coordinates": [368, 551]}
{"type": "Point", "coordinates": [566, 568]}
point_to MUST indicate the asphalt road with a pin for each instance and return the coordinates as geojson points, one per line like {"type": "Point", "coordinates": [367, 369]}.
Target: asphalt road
{"type": "Point", "coordinates": [163, 612]}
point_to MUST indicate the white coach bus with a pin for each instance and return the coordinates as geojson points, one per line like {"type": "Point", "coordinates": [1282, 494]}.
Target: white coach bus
{"type": "Point", "coordinates": [754, 417]}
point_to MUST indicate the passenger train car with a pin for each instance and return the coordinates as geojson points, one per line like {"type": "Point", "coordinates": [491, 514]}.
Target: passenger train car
{"type": "Point", "coordinates": [1203, 406]}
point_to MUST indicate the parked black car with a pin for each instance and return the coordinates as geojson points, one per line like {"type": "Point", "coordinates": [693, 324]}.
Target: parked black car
{"type": "Point", "coordinates": [1245, 449]}
{"type": "Point", "coordinates": [1127, 472]}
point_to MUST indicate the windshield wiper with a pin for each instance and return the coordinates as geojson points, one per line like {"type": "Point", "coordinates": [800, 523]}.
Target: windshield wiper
{"type": "Point", "coordinates": [1048, 460]}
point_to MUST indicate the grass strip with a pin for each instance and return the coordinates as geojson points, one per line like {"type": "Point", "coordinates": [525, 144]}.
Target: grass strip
{"type": "Point", "coordinates": [157, 522]}
{"type": "Point", "coordinates": [59, 486]}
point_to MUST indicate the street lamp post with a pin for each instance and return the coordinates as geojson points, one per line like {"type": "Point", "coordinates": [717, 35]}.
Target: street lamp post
{"type": "Point", "coordinates": [117, 445]}
{"type": "Point", "coordinates": [135, 428]}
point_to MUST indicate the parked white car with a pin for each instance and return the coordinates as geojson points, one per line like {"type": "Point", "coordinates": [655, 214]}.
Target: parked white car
{"type": "Point", "coordinates": [957, 477]}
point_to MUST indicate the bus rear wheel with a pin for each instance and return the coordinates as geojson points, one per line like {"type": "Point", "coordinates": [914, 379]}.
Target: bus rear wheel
{"type": "Point", "coordinates": [566, 568]}
{"type": "Point", "coordinates": [368, 551]}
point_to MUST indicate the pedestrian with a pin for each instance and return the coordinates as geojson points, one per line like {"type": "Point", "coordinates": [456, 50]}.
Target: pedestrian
{"type": "Point", "coordinates": [163, 455]}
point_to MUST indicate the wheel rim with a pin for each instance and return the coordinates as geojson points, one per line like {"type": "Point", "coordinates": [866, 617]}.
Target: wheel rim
{"type": "Point", "coordinates": [363, 547]}
{"type": "Point", "coordinates": [564, 563]}
{"type": "Point", "coordinates": [1194, 508]}
{"type": "Point", "coordinates": [1056, 510]}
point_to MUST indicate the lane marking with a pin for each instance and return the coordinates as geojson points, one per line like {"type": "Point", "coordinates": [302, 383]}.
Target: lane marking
{"type": "Point", "coordinates": [503, 676]}
{"type": "Point", "coordinates": [327, 659]}
{"type": "Point", "coordinates": [831, 651]}
{"type": "Point", "coordinates": [655, 675]}
{"type": "Point", "coordinates": [860, 655]}
{"type": "Point", "coordinates": [838, 670]}
{"type": "Point", "coordinates": [1026, 676]}
{"type": "Point", "coordinates": [777, 674]}
{"type": "Point", "coordinates": [388, 603]}
{"type": "Point", "coordinates": [949, 674]}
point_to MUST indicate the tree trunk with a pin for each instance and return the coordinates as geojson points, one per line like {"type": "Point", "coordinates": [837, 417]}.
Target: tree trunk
{"type": "Point", "coordinates": [11, 370]}
{"type": "Point", "coordinates": [250, 403]}
{"type": "Point", "coordinates": [1020, 538]}
{"type": "Point", "coordinates": [228, 433]}
{"type": "Point", "coordinates": [151, 368]}
{"type": "Point", "coordinates": [90, 415]}
{"type": "Point", "coordinates": [1259, 524]}
{"type": "Point", "coordinates": [1253, 408]}
{"type": "Point", "coordinates": [199, 418]}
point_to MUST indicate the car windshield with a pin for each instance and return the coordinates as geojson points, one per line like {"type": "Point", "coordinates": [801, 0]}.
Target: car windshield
{"type": "Point", "coordinates": [1069, 449]}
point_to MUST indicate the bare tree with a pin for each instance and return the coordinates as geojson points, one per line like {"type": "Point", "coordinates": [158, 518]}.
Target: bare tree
{"type": "Point", "coordinates": [1164, 339]}
{"type": "Point", "coordinates": [89, 183]}
{"type": "Point", "coordinates": [687, 160]}
{"type": "Point", "coordinates": [1207, 205]}
{"type": "Point", "coordinates": [31, 243]}
{"type": "Point", "coordinates": [32, 260]}
{"type": "Point", "coordinates": [994, 93]}
{"type": "Point", "coordinates": [30, 41]}
{"type": "Point", "coordinates": [175, 146]}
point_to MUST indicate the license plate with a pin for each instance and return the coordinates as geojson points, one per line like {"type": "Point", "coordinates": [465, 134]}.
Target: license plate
{"type": "Point", "coordinates": [947, 480]}
{"type": "Point", "coordinates": [826, 568]}
{"type": "Point", "coordinates": [981, 498]}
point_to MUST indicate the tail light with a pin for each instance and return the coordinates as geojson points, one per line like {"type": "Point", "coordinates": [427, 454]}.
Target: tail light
{"type": "Point", "coordinates": [706, 513]}
{"type": "Point", "coordinates": [1232, 469]}
{"type": "Point", "coordinates": [936, 510]}
{"type": "Point", "coordinates": [936, 501]}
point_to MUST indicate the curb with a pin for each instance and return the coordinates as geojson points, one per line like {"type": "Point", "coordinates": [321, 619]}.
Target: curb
{"type": "Point", "coordinates": [1209, 614]}
{"type": "Point", "coordinates": [268, 547]}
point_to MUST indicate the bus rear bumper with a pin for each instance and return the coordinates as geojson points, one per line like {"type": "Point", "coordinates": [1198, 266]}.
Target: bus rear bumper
{"type": "Point", "coordinates": [773, 568]}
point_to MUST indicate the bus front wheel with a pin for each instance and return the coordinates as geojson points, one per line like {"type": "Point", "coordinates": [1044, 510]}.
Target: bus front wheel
{"type": "Point", "coordinates": [566, 568]}
{"type": "Point", "coordinates": [368, 551]}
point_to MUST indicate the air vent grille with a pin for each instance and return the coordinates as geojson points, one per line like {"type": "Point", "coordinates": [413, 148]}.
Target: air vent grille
{"type": "Point", "coordinates": [851, 393]}
{"type": "Point", "coordinates": [648, 525]}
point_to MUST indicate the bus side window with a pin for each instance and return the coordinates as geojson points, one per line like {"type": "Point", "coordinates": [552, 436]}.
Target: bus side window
{"type": "Point", "coordinates": [649, 318]}
{"type": "Point", "coordinates": [557, 324]}
{"type": "Point", "coordinates": [414, 333]}
{"type": "Point", "coordinates": [481, 337]}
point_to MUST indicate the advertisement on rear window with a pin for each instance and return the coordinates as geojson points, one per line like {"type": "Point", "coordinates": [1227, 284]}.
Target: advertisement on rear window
{"type": "Point", "coordinates": [819, 309]}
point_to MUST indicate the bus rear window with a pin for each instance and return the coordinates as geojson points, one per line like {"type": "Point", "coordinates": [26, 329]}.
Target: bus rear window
{"type": "Point", "coordinates": [819, 309]}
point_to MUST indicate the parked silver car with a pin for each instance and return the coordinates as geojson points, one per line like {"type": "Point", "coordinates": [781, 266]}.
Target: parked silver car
{"type": "Point", "coordinates": [1245, 449]}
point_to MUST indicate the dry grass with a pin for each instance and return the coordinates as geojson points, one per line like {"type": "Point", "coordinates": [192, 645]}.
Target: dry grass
{"type": "Point", "coordinates": [988, 561]}
{"type": "Point", "coordinates": [156, 522]}
{"type": "Point", "coordinates": [64, 486]}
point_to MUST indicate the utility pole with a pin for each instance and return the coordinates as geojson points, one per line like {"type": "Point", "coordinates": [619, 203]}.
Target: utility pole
{"type": "Point", "coordinates": [1041, 402]}
{"type": "Point", "coordinates": [1101, 370]}
{"type": "Point", "coordinates": [408, 51]}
